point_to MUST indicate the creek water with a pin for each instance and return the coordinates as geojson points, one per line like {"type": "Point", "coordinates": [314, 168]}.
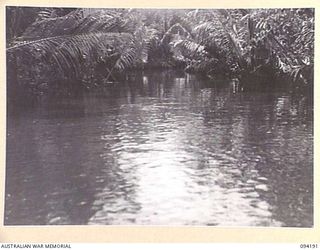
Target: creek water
{"type": "Point", "coordinates": [162, 148]}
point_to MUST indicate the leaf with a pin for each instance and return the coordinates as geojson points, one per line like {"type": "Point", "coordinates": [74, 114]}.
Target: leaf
{"type": "Point", "coordinates": [67, 51]}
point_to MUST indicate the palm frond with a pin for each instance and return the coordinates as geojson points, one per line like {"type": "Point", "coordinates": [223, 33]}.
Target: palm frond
{"type": "Point", "coordinates": [237, 49]}
{"type": "Point", "coordinates": [70, 40]}
{"type": "Point", "coordinates": [67, 52]}
{"type": "Point", "coordinates": [189, 45]}
{"type": "Point", "coordinates": [176, 29]}
{"type": "Point", "coordinates": [126, 58]}
{"type": "Point", "coordinates": [206, 26]}
{"type": "Point", "coordinates": [52, 26]}
{"type": "Point", "coordinates": [76, 23]}
{"type": "Point", "coordinates": [46, 13]}
{"type": "Point", "coordinates": [104, 21]}
{"type": "Point", "coordinates": [144, 39]}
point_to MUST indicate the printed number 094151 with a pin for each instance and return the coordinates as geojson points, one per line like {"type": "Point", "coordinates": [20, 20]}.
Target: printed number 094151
{"type": "Point", "coordinates": [309, 246]}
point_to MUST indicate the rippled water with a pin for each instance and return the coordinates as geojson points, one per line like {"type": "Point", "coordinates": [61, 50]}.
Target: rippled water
{"type": "Point", "coordinates": [162, 149]}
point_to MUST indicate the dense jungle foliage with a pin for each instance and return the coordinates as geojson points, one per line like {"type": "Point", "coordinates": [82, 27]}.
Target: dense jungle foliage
{"type": "Point", "coordinates": [54, 49]}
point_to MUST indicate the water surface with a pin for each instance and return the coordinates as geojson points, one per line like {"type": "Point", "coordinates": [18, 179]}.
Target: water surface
{"type": "Point", "coordinates": [162, 149]}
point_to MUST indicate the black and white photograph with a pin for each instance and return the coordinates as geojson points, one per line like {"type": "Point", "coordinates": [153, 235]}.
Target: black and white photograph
{"type": "Point", "coordinates": [159, 117]}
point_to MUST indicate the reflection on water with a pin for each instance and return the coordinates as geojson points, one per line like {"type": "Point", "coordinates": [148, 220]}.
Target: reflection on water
{"type": "Point", "coordinates": [162, 149]}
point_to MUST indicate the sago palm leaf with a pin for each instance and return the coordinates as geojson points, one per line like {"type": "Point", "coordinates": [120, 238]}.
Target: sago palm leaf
{"type": "Point", "coordinates": [144, 39]}
{"type": "Point", "coordinates": [126, 57]}
{"type": "Point", "coordinates": [191, 46]}
{"type": "Point", "coordinates": [72, 39]}
{"type": "Point", "coordinates": [176, 29]}
{"type": "Point", "coordinates": [76, 23]}
{"type": "Point", "coordinates": [206, 26]}
{"type": "Point", "coordinates": [106, 21]}
{"type": "Point", "coordinates": [53, 26]}
{"type": "Point", "coordinates": [68, 52]}
{"type": "Point", "coordinates": [214, 29]}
